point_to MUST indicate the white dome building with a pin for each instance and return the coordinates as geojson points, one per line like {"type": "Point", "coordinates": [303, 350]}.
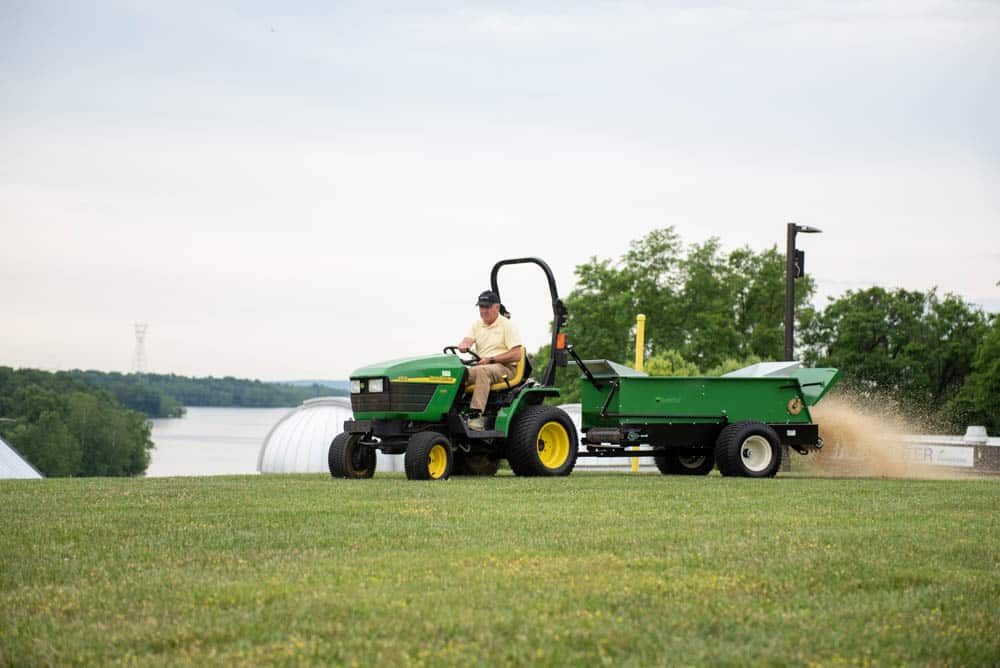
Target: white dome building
{"type": "Point", "coordinates": [300, 441]}
{"type": "Point", "coordinates": [13, 465]}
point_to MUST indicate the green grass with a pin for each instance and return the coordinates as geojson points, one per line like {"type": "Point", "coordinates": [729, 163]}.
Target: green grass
{"type": "Point", "coordinates": [617, 569]}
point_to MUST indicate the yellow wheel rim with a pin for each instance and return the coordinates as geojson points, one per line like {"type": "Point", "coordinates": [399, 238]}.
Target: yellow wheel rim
{"type": "Point", "coordinates": [553, 445]}
{"type": "Point", "coordinates": [437, 461]}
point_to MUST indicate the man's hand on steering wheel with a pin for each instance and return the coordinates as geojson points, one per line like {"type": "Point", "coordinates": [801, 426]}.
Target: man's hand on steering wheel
{"type": "Point", "coordinates": [455, 350]}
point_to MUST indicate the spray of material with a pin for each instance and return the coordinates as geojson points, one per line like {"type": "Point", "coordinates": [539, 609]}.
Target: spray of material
{"type": "Point", "coordinates": [865, 438]}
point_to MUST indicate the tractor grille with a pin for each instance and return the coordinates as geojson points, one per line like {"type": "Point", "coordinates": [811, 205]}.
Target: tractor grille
{"type": "Point", "coordinates": [401, 397]}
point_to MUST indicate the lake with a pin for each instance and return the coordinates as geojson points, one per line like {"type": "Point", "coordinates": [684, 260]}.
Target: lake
{"type": "Point", "coordinates": [210, 441]}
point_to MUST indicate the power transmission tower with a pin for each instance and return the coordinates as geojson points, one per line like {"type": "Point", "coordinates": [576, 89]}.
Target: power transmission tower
{"type": "Point", "coordinates": [139, 355]}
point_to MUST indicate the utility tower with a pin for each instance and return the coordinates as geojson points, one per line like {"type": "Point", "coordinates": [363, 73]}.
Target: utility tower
{"type": "Point", "coordinates": [139, 354]}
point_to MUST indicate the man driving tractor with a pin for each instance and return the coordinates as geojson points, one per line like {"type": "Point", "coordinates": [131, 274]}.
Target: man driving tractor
{"type": "Point", "coordinates": [498, 345]}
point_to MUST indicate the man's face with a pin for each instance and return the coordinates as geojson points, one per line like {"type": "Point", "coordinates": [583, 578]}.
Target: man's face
{"type": "Point", "coordinates": [489, 313]}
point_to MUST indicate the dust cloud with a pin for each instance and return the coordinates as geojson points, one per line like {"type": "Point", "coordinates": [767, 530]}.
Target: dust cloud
{"type": "Point", "coordinates": [865, 438]}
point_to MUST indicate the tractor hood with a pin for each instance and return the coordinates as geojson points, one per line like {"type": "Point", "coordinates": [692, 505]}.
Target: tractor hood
{"type": "Point", "coordinates": [438, 368]}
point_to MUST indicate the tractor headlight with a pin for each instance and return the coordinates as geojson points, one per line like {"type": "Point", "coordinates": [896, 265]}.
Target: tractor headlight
{"type": "Point", "coordinates": [355, 386]}
{"type": "Point", "coordinates": [376, 385]}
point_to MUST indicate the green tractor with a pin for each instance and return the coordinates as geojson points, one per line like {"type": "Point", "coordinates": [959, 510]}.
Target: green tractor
{"type": "Point", "coordinates": [417, 407]}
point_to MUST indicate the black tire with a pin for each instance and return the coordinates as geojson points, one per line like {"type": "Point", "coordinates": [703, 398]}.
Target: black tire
{"type": "Point", "coordinates": [349, 459]}
{"type": "Point", "coordinates": [428, 456]}
{"type": "Point", "coordinates": [542, 442]}
{"type": "Point", "coordinates": [476, 465]}
{"type": "Point", "coordinates": [686, 464]}
{"type": "Point", "coordinates": [748, 449]}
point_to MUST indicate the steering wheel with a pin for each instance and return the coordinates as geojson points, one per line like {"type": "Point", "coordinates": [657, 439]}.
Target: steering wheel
{"type": "Point", "coordinates": [455, 351]}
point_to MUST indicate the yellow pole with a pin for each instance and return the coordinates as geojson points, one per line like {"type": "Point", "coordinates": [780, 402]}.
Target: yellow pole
{"type": "Point", "coordinates": [640, 345]}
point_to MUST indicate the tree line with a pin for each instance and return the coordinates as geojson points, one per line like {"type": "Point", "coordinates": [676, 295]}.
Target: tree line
{"type": "Point", "coordinates": [710, 312]}
{"type": "Point", "coordinates": [166, 395]}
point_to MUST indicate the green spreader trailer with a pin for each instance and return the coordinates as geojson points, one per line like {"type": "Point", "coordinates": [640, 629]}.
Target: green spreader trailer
{"type": "Point", "coordinates": [690, 425]}
{"type": "Point", "coordinates": [417, 407]}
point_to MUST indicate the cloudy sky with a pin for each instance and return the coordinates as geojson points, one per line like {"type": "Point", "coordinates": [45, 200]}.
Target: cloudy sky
{"type": "Point", "coordinates": [291, 192]}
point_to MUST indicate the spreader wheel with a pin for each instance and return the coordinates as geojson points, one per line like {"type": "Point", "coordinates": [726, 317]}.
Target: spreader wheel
{"type": "Point", "coordinates": [686, 464]}
{"type": "Point", "coordinates": [748, 449]}
{"type": "Point", "coordinates": [349, 459]}
{"type": "Point", "coordinates": [542, 442]}
{"type": "Point", "coordinates": [428, 456]}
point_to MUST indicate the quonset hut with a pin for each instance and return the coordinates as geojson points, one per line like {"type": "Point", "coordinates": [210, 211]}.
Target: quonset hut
{"type": "Point", "coordinates": [13, 465]}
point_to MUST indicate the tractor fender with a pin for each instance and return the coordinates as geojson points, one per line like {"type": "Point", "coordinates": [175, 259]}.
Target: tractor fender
{"type": "Point", "coordinates": [530, 396]}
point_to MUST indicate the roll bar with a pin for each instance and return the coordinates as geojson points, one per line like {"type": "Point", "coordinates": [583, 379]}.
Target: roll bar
{"type": "Point", "coordinates": [559, 312]}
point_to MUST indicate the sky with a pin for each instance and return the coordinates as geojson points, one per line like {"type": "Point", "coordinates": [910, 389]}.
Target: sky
{"type": "Point", "coordinates": [288, 191]}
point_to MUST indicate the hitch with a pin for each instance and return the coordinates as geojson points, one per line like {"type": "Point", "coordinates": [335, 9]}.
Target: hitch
{"type": "Point", "coordinates": [583, 367]}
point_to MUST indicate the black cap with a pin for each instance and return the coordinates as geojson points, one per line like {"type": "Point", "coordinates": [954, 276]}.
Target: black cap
{"type": "Point", "coordinates": [488, 298]}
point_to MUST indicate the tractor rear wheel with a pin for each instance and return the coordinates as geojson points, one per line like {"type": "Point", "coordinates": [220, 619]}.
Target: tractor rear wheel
{"type": "Point", "coordinates": [686, 464]}
{"type": "Point", "coordinates": [479, 465]}
{"type": "Point", "coordinates": [748, 449]}
{"type": "Point", "coordinates": [349, 459]}
{"type": "Point", "coordinates": [428, 456]}
{"type": "Point", "coordinates": [542, 442]}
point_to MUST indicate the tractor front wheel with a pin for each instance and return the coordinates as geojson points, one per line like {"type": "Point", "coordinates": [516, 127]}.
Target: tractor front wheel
{"type": "Point", "coordinates": [428, 456]}
{"type": "Point", "coordinates": [748, 449]}
{"type": "Point", "coordinates": [542, 442]}
{"type": "Point", "coordinates": [686, 464]}
{"type": "Point", "coordinates": [349, 459]}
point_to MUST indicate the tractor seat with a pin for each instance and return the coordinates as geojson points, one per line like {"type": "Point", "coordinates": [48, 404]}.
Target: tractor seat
{"type": "Point", "coordinates": [507, 383]}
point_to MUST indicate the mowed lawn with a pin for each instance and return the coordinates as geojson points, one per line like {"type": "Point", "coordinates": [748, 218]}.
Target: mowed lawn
{"type": "Point", "coordinates": [592, 569]}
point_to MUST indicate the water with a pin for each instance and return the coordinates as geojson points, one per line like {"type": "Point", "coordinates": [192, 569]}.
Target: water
{"type": "Point", "coordinates": [211, 441]}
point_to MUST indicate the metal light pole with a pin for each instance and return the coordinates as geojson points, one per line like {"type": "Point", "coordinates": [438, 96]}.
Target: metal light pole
{"type": "Point", "coordinates": [794, 268]}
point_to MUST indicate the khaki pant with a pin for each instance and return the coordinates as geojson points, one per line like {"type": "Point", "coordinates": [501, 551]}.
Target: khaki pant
{"type": "Point", "coordinates": [484, 376]}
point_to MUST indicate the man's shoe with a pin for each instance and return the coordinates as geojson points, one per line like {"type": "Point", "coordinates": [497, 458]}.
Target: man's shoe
{"type": "Point", "coordinates": [476, 424]}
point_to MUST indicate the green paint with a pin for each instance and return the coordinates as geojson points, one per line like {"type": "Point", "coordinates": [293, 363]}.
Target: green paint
{"type": "Point", "coordinates": [677, 400]}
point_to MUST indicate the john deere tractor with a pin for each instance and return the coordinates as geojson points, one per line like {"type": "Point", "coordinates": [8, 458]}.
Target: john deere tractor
{"type": "Point", "coordinates": [417, 407]}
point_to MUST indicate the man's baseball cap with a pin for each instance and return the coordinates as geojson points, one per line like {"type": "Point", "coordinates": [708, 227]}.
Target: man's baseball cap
{"type": "Point", "coordinates": [488, 298]}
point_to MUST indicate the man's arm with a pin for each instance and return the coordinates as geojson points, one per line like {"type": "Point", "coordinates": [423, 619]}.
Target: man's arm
{"type": "Point", "coordinates": [512, 355]}
{"type": "Point", "coordinates": [466, 344]}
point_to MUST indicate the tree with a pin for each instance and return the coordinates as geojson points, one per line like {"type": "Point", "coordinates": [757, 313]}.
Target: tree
{"type": "Point", "coordinates": [702, 323]}
{"type": "Point", "coordinates": [48, 444]}
{"type": "Point", "coordinates": [978, 402]}
{"type": "Point", "coordinates": [669, 363]}
{"type": "Point", "coordinates": [700, 302]}
{"type": "Point", "coordinates": [914, 347]}
{"type": "Point", "coordinates": [608, 295]}
{"type": "Point", "coordinates": [759, 284]}
{"type": "Point", "coordinates": [115, 442]}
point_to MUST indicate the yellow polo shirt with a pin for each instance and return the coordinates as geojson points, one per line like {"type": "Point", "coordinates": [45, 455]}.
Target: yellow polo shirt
{"type": "Point", "coordinates": [495, 339]}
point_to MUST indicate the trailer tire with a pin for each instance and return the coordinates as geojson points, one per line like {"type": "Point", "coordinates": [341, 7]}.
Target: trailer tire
{"type": "Point", "coordinates": [686, 464]}
{"type": "Point", "coordinates": [749, 450]}
{"type": "Point", "coordinates": [347, 458]}
{"type": "Point", "coordinates": [475, 465]}
{"type": "Point", "coordinates": [428, 456]}
{"type": "Point", "coordinates": [542, 442]}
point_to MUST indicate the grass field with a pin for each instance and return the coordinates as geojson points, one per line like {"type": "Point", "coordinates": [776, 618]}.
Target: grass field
{"type": "Point", "coordinates": [592, 569]}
